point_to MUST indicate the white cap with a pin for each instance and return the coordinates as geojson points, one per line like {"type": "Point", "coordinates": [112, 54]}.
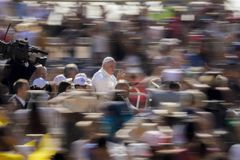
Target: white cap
{"type": "Point", "coordinates": [82, 81]}
{"type": "Point", "coordinates": [80, 75]}
{"type": "Point", "coordinates": [107, 59]}
{"type": "Point", "coordinates": [172, 75]}
{"type": "Point", "coordinates": [59, 78]}
{"type": "Point", "coordinates": [39, 82]}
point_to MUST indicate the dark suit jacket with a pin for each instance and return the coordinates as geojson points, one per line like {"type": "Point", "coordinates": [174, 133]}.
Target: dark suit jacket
{"type": "Point", "coordinates": [15, 104]}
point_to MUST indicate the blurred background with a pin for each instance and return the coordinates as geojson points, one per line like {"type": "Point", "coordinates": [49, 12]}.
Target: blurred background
{"type": "Point", "coordinates": [176, 91]}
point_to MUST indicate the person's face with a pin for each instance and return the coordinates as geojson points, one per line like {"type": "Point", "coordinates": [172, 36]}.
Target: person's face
{"type": "Point", "coordinates": [72, 73]}
{"type": "Point", "coordinates": [24, 91]}
{"type": "Point", "coordinates": [43, 73]}
{"type": "Point", "coordinates": [109, 67]}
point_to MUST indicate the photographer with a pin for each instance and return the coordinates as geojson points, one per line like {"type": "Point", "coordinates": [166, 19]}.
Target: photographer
{"type": "Point", "coordinates": [15, 70]}
{"type": "Point", "coordinates": [21, 62]}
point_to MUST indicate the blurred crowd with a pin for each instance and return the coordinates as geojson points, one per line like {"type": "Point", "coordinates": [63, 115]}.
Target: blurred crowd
{"type": "Point", "coordinates": [158, 80]}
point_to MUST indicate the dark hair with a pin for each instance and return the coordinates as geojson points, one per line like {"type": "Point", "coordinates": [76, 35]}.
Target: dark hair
{"type": "Point", "coordinates": [63, 87]}
{"type": "Point", "coordinates": [18, 84]}
{"type": "Point", "coordinates": [174, 86]}
{"type": "Point", "coordinates": [101, 142]}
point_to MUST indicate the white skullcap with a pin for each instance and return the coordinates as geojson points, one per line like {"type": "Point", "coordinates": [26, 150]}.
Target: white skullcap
{"type": "Point", "coordinates": [82, 81]}
{"type": "Point", "coordinates": [107, 59]}
{"type": "Point", "coordinates": [40, 83]}
{"type": "Point", "coordinates": [59, 78]}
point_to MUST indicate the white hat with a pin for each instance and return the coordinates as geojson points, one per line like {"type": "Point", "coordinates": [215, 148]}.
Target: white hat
{"type": "Point", "coordinates": [59, 78]}
{"type": "Point", "coordinates": [40, 83]}
{"type": "Point", "coordinates": [82, 81]}
{"type": "Point", "coordinates": [80, 75]}
{"type": "Point", "coordinates": [107, 59]}
{"type": "Point", "coordinates": [172, 75]}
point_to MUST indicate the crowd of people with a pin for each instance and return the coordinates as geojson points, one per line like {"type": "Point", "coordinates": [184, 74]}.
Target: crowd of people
{"type": "Point", "coordinates": [166, 89]}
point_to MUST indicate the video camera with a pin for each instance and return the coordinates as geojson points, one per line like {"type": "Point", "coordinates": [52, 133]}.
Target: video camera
{"type": "Point", "coordinates": [21, 51]}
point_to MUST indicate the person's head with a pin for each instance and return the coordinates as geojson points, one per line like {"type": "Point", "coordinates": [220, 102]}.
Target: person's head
{"type": "Point", "coordinates": [174, 86]}
{"type": "Point", "coordinates": [41, 71]}
{"type": "Point", "coordinates": [80, 82]}
{"type": "Point", "coordinates": [109, 65]}
{"type": "Point", "coordinates": [63, 87]}
{"type": "Point", "coordinates": [59, 78]}
{"type": "Point", "coordinates": [39, 84]}
{"type": "Point", "coordinates": [70, 70]}
{"type": "Point", "coordinates": [21, 88]}
{"type": "Point", "coordinates": [124, 86]}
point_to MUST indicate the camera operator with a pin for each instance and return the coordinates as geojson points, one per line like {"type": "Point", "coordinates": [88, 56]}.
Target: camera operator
{"type": "Point", "coordinates": [15, 70]}
{"type": "Point", "coordinates": [21, 62]}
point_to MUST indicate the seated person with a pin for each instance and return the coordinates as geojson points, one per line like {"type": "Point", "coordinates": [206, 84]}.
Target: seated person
{"type": "Point", "coordinates": [81, 83]}
{"type": "Point", "coordinates": [42, 84]}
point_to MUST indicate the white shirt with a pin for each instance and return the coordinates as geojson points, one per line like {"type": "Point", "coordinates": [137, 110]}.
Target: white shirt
{"type": "Point", "coordinates": [103, 82]}
{"type": "Point", "coordinates": [21, 100]}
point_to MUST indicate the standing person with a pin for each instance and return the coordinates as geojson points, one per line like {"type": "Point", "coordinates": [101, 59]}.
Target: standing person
{"type": "Point", "coordinates": [104, 80]}
{"type": "Point", "coordinates": [19, 99]}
